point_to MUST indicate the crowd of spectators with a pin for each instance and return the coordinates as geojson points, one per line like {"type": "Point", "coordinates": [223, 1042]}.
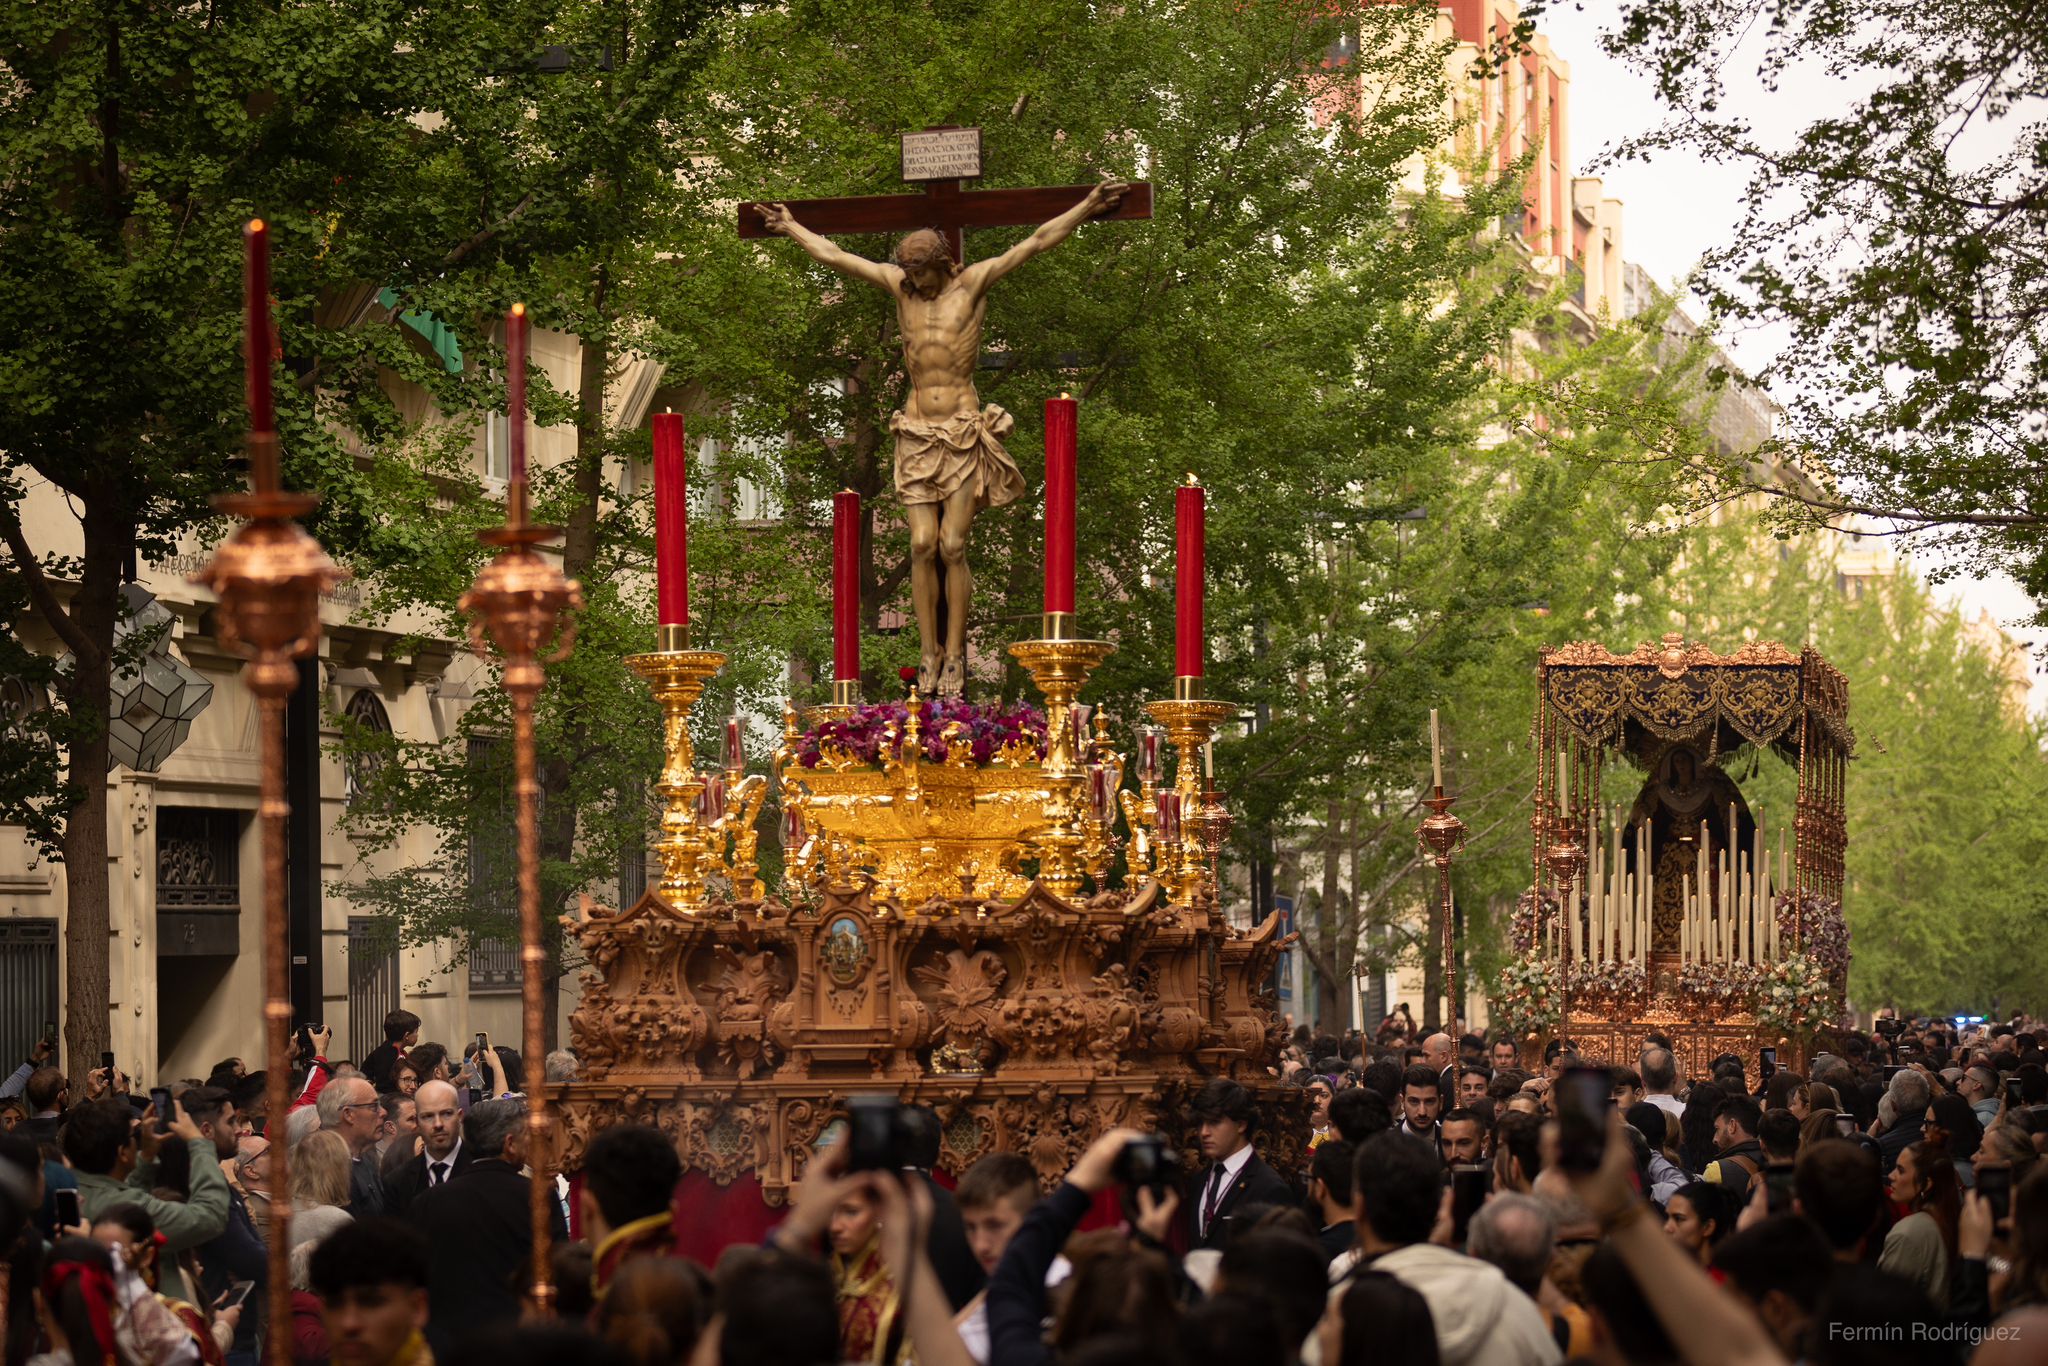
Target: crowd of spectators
{"type": "Point", "coordinates": [1887, 1203]}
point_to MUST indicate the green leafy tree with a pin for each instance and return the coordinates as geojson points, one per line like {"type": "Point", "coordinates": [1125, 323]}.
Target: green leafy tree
{"type": "Point", "coordinates": [138, 141]}
{"type": "Point", "coordinates": [1894, 243]}
{"type": "Point", "coordinates": [1185, 336]}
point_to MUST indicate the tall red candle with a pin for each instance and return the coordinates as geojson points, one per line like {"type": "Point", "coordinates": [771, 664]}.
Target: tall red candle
{"type": "Point", "coordinates": [1188, 570]}
{"type": "Point", "coordinates": [846, 586]}
{"type": "Point", "coordinates": [671, 522]}
{"type": "Point", "coordinates": [1060, 444]}
{"type": "Point", "coordinates": [515, 390]}
{"type": "Point", "coordinates": [256, 339]}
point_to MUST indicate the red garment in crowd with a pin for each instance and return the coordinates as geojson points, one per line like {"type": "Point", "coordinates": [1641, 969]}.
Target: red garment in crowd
{"type": "Point", "coordinates": [309, 1330]}
{"type": "Point", "coordinates": [317, 1077]}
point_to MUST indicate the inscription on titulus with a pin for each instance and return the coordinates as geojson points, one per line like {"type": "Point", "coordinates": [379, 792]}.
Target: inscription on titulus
{"type": "Point", "coordinates": [942, 154]}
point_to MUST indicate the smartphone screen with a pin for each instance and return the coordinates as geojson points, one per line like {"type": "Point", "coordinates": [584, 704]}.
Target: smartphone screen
{"type": "Point", "coordinates": [107, 1062]}
{"type": "Point", "coordinates": [1778, 1188]}
{"type": "Point", "coordinates": [160, 1102]}
{"type": "Point", "coordinates": [1995, 1185]}
{"type": "Point", "coordinates": [1584, 1095]}
{"type": "Point", "coordinates": [1770, 1059]}
{"type": "Point", "coordinates": [483, 1042]}
{"type": "Point", "coordinates": [1469, 1187]}
{"type": "Point", "coordinates": [69, 1214]}
{"type": "Point", "coordinates": [237, 1292]}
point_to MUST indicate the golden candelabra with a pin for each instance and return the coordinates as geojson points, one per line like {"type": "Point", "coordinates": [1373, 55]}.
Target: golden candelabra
{"type": "Point", "coordinates": [1060, 667]}
{"type": "Point", "coordinates": [1141, 808]}
{"type": "Point", "coordinates": [1443, 836]}
{"type": "Point", "coordinates": [1182, 863]}
{"type": "Point", "coordinates": [676, 675]}
{"type": "Point", "coordinates": [522, 604]}
{"type": "Point", "coordinates": [269, 577]}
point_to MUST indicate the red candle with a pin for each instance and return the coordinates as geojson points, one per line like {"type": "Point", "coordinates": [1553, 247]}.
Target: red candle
{"type": "Point", "coordinates": [256, 340]}
{"type": "Point", "coordinates": [1060, 443]}
{"type": "Point", "coordinates": [846, 586]}
{"type": "Point", "coordinates": [1187, 535]}
{"type": "Point", "coordinates": [515, 389]}
{"type": "Point", "coordinates": [671, 522]}
{"type": "Point", "coordinates": [1168, 817]}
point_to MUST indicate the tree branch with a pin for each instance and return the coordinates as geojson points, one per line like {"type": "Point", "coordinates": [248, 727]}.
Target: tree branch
{"type": "Point", "coordinates": [44, 596]}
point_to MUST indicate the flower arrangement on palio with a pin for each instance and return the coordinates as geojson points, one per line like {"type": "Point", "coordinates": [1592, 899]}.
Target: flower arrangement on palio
{"type": "Point", "coordinates": [991, 731]}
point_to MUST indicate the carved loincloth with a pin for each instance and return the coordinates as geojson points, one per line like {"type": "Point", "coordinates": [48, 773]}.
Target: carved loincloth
{"type": "Point", "coordinates": [935, 460]}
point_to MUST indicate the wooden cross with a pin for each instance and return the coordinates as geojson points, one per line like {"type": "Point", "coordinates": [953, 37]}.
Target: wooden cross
{"type": "Point", "coordinates": [946, 208]}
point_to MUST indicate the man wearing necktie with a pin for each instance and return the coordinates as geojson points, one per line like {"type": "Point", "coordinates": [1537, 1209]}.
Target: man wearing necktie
{"type": "Point", "coordinates": [1236, 1178]}
{"type": "Point", "coordinates": [444, 1156]}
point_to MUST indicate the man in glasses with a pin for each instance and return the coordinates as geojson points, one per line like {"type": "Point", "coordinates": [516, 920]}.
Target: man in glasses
{"type": "Point", "coordinates": [349, 1106]}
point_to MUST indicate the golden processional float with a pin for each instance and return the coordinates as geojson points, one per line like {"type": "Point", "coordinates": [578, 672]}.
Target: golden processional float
{"type": "Point", "coordinates": [1682, 914]}
{"type": "Point", "coordinates": [996, 912]}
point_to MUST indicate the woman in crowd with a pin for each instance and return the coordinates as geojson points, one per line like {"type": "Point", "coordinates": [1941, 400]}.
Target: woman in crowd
{"type": "Point", "coordinates": [78, 1307]}
{"type": "Point", "coordinates": [1952, 1115]}
{"type": "Point", "coordinates": [1696, 1127]}
{"type": "Point", "coordinates": [150, 1326]}
{"type": "Point", "coordinates": [1377, 1318]}
{"type": "Point", "coordinates": [319, 1175]}
{"type": "Point", "coordinates": [2026, 1283]}
{"type": "Point", "coordinates": [867, 1296]}
{"type": "Point", "coordinates": [405, 1077]}
{"type": "Point", "coordinates": [1922, 1246]}
{"type": "Point", "coordinates": [1698, 1216]}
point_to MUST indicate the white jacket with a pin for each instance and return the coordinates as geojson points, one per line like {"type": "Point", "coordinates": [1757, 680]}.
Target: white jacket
{"type": "Point", "coordinates": [1481, 1318]}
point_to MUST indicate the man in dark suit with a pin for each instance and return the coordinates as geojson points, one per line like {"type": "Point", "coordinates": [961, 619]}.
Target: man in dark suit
{"type": "Point", "coordinates": [952, 1258]}
{"type": "Point", "coordinates": [1236, 1177]}
{"type": "Point", "coordinates": [446, 1153]}
{"type": "Point", "coordinates": [479, 1229]}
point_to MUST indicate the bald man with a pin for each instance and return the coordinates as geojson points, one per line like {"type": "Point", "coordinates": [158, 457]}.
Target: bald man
{"type": "Point", "coordinates": [442, 1156]}
{"type": "Point", "coordinates": [1440, 1056]}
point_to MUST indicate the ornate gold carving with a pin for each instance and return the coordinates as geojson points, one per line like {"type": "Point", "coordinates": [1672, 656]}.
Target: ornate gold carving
{"type": "Point", "coordinates": [1030, 1024]}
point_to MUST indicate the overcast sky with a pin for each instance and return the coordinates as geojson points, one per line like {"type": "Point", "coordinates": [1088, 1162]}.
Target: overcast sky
{"type": "Point", "coordinates": [1677, 207]}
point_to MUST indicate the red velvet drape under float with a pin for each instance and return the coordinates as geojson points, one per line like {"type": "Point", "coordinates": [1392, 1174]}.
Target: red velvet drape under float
{"type": "Point", "coordinates": [710, 1218]}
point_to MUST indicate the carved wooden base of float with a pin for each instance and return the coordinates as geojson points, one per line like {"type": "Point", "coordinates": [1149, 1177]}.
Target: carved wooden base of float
{"type": "Point", "coordinates": [1029, 1026]}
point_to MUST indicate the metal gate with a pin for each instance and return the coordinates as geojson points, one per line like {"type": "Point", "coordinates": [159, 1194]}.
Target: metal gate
{"type": "Point", "coordinates": [372, 984]}
{"type": "Point", "coordinates": [28, 983]}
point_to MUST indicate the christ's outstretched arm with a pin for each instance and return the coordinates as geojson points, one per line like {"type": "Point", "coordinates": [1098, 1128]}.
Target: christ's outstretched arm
{"type": "Point", "coordinates": [880, 274]}
{"type": "Point", "coordinates": [1045, 237]}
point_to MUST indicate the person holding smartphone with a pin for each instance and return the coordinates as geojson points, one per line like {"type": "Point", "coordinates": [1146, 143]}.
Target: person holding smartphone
{"type": "Point", "coordinates": [114, 1152]}
{"type": "Point", "coordinates": [40, 1055]}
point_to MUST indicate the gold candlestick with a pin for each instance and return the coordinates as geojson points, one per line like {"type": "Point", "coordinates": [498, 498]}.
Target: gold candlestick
{"type": "Point", "coordinates": [1060, 669]}
{"type": "Point", "coordinates": [1189, 722]}
{"type": "Point", "coordinates": [269, 577]}
{"type": "Point", "coordinates": [676, 677]}
{"type": "Point", "coordinates": [520, 603]}
{"type": "Point", "coordinates": [1443, 835]}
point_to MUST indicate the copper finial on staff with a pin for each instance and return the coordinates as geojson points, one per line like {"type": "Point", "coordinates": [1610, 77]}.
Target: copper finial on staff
{"type": "Point", "coordinates": [269, 577]}
{"type": "Point", "coordinates": [518, 603]}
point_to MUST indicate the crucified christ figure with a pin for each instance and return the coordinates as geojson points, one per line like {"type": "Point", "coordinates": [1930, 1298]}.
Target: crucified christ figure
{"type": "Point", "coordinates": [950, 461]}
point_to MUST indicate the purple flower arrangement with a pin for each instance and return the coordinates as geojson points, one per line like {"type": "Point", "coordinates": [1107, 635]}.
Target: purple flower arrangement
{"type": "Point", "coordinates": [987, 727]}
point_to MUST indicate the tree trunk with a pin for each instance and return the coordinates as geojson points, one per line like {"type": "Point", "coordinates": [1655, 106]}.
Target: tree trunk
{"type": "Point", "coordinates": [94, 609]}
{"type": "Point", "coordinates": [1329, 1004]}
